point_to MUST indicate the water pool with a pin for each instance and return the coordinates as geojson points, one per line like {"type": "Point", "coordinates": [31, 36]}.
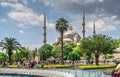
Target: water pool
{"type": "Point", "coordinates": [16, 75]}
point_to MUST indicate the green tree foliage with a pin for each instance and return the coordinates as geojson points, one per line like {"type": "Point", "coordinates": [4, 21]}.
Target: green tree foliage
{"type": "Point", "coordinates": [68, 47]}
{"type": "Point", "coordinates": [14, 57]}
{"type": "Point", "coordinates": [107, 56]}
{"type": "Point", "coordinates": [23, 54]}
{"type": "Point", "coordinates": [117, 44]}
{"type": "Point", "coordinates": [45, 52]}
{"type": "Point", "coordinates": [79, 50]}
{"type": "Point", "coordinates": [98, 44]}
{"type": "Point", "coordinates": [56, 51]}
{"type": "Point", "coordinates": [73, 56]}
{"type": "Point", "coordinates": [61, 26]}
{"type": "Point", "coordinates": [10, 44]}
{"type": "Point", "coordinates": [3, 57]}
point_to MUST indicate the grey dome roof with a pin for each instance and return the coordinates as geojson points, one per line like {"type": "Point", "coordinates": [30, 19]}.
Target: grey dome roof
{"type": "Point", "coordinates": [67, 40]}
{"type": "Point", "coordinates": [70, 32]}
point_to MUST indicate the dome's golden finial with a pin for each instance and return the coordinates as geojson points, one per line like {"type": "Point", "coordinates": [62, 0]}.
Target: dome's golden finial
{"type": "Point", "coordinates": [70, 28]}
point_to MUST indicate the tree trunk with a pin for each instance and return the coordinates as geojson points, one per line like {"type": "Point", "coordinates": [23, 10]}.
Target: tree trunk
{"type": "Point", "coordinates": [62, 47]}
{"type": "Point", "coordinates": [34, 57]}
{"type": "Point", "coordinates": [10, 59]}
{"type": "Point", "coordinates": [97, 59]}
{"type": "Point", "coordinates": [9, 55]}
{"type": "Point", "coordinates": [73, 63]}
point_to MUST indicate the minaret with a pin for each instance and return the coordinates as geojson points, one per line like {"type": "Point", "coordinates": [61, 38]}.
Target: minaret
{"type": "Point", "coordinates": [94, 32]}
{"type": "Point", "coordinates": [83, 25]}
{"type": "Point", "coordinates": [44, 34]}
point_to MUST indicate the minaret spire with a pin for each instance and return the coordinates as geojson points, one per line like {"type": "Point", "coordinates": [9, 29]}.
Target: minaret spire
{"type": "Point", "coordinates": [44, 27]}
{"type": "Point", "coordinates": [83, 25]}
{"type": "Point", "coordinates": [94, 32]}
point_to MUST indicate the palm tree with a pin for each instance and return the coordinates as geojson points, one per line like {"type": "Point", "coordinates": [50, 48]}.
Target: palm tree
{"type": "Point", "coordinates": [61, 26]}
{"type": "Point", "coordinates": [10, 44]}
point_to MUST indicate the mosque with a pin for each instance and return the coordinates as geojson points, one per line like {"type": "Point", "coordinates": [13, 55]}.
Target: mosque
{"type": "Point", "coordinates": [71, 36]}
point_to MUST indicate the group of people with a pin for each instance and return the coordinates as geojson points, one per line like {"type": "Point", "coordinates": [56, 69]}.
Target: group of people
{"type": "Point", "coordinates": [26, 64]}
{"type": "Point", "coordinates": [5, 64]}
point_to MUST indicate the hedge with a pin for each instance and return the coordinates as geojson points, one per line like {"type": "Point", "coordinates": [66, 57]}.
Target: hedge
{"type": "Point", "coordinates": [87, 67]}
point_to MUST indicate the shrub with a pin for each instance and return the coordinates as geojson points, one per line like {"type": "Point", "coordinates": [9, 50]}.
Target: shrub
{"type": "Point", "coordinates": [12, 66]}
{"type": "Point", "coordinates": [87, 67]}
{"type": "Point", "coordinates": [56, 66]}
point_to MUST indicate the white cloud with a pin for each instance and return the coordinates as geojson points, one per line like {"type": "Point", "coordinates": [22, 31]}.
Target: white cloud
{"type": "Point", "coordinates": [27, 18]}
{"type": "Point", "coordinates": [21, 25]}
{"type": "Point", "coordinates": [2, 20]}
{"type": "Point", "coordinates": [23, 14]}
{"type": "Point", "coordinates": [25, 1]}
{"type": "Point", "coordinates": [101, 0]}
{"type": "Point", "coordinates": [33, 0]}
{"type": "Point", "coordinates": [21, 31]}
{"type": "Point", "coordinates": [50, 25]}
{"type": "Point", "coordinates": [15, 1]}
{"type": "Point", "coordinates": [16, 6]}
{"type": "Point", "coordinates": [101, 26]}
{"type": "Point", "coordinates": [104, 24]}
{"type": "Point", "coordinates": [89, 1]}
{"type": "Point", "coordinates": [33, 46]}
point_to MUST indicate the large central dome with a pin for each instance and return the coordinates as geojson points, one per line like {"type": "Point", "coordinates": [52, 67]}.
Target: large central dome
{"type": "Point", "coordinates": [70, 36]}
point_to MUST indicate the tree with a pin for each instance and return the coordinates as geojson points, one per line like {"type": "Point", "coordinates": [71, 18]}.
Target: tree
{"type": "Point", "coordinates": [56, 51]}
{"type": "Point", "coordinates": [84, 54]}
{"type": "Point", "coordinates": [10, 44]}
{"type": "Point", "coordinates": [68, 47]}
{"type": "Point", "coordinates": [98, 44]}
{"type": "Point", "coordinates": [3, 57]}
{"type": "Point", "coordinates": [117, 44]}
{"type": "Point", "coordinates": [45, 51]}
{"type": "Point", "coordinates": [73, 56]}
{"type": "Point", "coordinates": [107, 56]}
{"type": "Point", "coordinates": [24, 54]}
{"type": "Point", "coordinates": [61, 26]}
{"type": "Point", "coordinates": [79, 50]}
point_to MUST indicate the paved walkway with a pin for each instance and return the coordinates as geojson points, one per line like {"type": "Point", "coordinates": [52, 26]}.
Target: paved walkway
{"type": "Point", "coordinates": [36, 72]}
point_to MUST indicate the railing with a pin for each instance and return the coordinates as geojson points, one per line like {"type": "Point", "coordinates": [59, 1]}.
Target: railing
{"type": "Point", "coordinates": [36, 72]}
{"type": "Point", "coordinates": [55, 72]}
{"type": "Point", "coordinates": [85, 73]}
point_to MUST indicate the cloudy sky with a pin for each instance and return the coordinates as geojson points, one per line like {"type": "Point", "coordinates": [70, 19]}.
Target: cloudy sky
{"type": "Point", "coordinates": [23, 19]}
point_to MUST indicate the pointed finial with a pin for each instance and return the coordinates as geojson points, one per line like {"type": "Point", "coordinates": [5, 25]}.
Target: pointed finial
{"type": "Point", "coordinates": [70, 28]}
{"type": "Point", "coordinates": [44, 19]}
{"type": "Point", "coordinates": [83, 17]}
{"type": "Point", "coordinates": [83, 12]}
{"type": "Point", "coordinates": [94, 28]}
